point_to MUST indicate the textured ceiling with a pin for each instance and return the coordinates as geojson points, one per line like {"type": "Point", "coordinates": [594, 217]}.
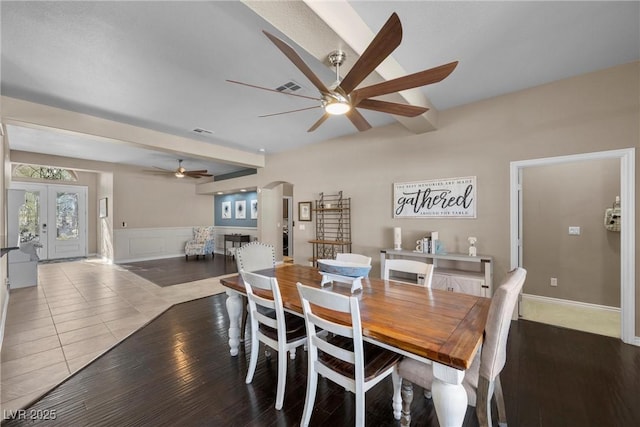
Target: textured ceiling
{"type": "Point", "coordinates": [163, 65]}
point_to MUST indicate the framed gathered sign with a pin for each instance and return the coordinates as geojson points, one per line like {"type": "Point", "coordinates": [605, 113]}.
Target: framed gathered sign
{"type": "Point", "coordinates": [436, 198]}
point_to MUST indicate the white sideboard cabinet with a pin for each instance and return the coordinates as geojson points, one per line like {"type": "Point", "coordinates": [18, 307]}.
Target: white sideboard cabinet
{"type": "Point", "coordinates": [452, 272]}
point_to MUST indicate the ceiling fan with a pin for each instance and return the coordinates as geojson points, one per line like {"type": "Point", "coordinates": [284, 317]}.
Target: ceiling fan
{"type": "Point", "coordinates": [343, 97]}
{"type": "Point", "coordinates": [181, 172]}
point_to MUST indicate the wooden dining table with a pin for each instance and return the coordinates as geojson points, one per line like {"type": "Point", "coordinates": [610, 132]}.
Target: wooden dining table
{"type": "Point", "coordinates": [439, 327]}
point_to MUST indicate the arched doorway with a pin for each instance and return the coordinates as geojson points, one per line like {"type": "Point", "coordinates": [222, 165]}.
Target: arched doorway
{"type": "Point", "coordinates": [275, 222]}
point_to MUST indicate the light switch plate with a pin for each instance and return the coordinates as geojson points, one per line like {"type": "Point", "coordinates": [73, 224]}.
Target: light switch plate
{"type": "Point", "coordinates": [574, 231]}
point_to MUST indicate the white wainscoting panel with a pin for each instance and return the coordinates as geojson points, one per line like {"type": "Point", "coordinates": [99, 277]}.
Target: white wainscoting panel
{"type": "Point", "coordinates": [141, 244]}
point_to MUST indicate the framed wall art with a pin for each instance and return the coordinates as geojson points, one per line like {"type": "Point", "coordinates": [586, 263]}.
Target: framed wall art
{"type": "Point", "coordinates": [241, 209]}
{"type": "Point", "coordinates": [436, 198]}
{"type": "Point", "coordinates": [304, 211]}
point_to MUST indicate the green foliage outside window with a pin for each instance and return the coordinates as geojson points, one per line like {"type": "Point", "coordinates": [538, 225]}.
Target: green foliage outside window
{"type": "Point", "coordinates": [44, 172]}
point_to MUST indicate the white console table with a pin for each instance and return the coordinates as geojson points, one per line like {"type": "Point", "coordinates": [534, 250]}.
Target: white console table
{"type": "Point", "coordinates": [457, 279]}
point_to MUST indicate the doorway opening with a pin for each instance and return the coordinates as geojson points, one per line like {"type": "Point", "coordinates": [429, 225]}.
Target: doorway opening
{"type": "Point", "coordinates": [287, 228]}
{"type": "Point", "coordinates": [626, 158]}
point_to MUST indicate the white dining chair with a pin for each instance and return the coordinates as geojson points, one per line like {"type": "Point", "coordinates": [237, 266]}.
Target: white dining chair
{"type": "Point", "coordinates": [482, 379]}
{"type": "Point", "coordinates": [339, 353]}
{"type": "Point", "coordinates": [253, 256]}
{"type": "Point", "coordinates": [354, 258]}
{"type": "Point", "coordinates": [422, 270]}
{"type": "Point", "coordinates": [270, 325]}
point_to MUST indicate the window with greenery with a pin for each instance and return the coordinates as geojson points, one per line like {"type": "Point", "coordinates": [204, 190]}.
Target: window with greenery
{"type": "Point", "coordinates": [44, 172]}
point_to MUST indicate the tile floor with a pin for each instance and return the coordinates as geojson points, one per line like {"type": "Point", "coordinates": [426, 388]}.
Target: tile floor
{"type": "Point", "coordinates": [573, 317]}
{"type": "Point", "coordinates": [79, 310]}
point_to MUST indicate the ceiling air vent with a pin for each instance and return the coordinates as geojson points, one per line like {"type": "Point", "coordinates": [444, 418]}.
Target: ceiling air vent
{"type": "Point", "coordinates": [289, 87]}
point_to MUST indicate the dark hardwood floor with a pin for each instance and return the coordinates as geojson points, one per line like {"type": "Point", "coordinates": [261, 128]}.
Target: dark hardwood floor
{"type": "Point", "coordinates": [172, 271]}
{"type": "Point", "coordinates": [177, 371]}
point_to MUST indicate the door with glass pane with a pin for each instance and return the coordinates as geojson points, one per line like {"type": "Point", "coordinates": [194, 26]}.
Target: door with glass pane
{"type": "Point", "coordinates": [32, 214]}
{"type": "Point", "coordinates": [66, 230]}
{"type": "Point", "coordinates": [55, 216]}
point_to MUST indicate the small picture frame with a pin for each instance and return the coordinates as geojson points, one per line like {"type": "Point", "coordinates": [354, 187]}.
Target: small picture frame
{"type": "Point", "coordinates": [304, 211]}
{"type": "Point", "coordinates": [254, 209]}
{"type": "Point", "coordinates": [226, 210]}
{"type": "Point", "coordinates": [241, 209]}
{"type": "Point", "coordinates": [103, 208]}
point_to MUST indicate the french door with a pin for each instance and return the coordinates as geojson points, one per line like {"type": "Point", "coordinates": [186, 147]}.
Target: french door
{"type": "Point", "coordinates": [56, 217]}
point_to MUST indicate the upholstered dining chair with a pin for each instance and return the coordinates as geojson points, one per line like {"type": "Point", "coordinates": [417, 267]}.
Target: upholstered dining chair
{"type": "Point", "coordinates": [355, 258]}
{"type": "Point", "coordinates": [422, 270]}
{"type": "Point", "coordinates": [270, 325]}
{"type": "Point", "coordinates": [482, 379]}
{"type": "Point", "coordinates": [253, 256]}
{"type": "Point", "coordinates": [203, 243]}
{"type": "Point", "coordinates": [341, 355]}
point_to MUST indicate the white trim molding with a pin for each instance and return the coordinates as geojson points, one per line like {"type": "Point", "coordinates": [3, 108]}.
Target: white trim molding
{"type": "Point", "coordinates": [565, 302]}
{"type": "Point", "coordinates": [627, 237]}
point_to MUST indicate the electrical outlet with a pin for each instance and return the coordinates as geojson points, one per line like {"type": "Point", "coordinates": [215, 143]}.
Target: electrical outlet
{"type": "Point", "coordinates": [574, 231]}
{"type": "Point", "coordinates": [554, 281]}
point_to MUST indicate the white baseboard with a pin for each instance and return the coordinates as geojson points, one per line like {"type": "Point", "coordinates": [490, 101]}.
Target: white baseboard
{"type": "Point", "coordinates": [124, 261]}
{"type": "Point", "coordinates": [558, 301]}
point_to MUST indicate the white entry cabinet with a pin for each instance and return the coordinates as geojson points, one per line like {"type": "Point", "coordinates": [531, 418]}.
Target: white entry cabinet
{"type": "Point", "coordinates": [463, 273]}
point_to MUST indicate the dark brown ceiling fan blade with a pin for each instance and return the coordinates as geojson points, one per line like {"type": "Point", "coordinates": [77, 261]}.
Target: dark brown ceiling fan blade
{"type": "Point", "coordinates": [158, 172]}
{"type": "Point", "coordinates": [273, 90]}
{"type": "Point", "coordinates": [392, 107]}
{"type": "Point", "coordinates": [292, 111]}
{"type": "Point", "coordinates": [385, 42]}
{"type": "Point", "coordinates": [297, 61]}
{"type": "Point", "coordinates": [196, 175]}
{"type": "Point", "coordinates": [161, 169]}
{"type": "Point", "coordinates": [320, 121]}
{"type": "Point", "coordinates": [198, 171]}
{"type": "Point", "coordinates": [358, 120]}
{"type": "Point", "coordinates": [421, 78]}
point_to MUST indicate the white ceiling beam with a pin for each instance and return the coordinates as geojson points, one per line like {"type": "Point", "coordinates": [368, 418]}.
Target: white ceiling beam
{"type": "Point", "coordinates": [29, 114]}
{"type": "Point", "coordinates": [321, 27]}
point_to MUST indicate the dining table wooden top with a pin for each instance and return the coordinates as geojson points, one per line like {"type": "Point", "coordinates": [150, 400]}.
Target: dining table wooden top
{"type": "Point", "coordinates": [443, 326]}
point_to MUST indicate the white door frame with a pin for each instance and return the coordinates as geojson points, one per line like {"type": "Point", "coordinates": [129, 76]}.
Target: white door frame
{"type": "Point", "coordinates": [289, 200]}
{"type": "Point", "coordinates": [627, 223]}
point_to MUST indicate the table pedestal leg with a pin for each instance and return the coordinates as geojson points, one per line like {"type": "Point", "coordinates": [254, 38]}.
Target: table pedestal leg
{"type": "Point", "coordinates": [449, 396]}
{"type": "Point", "coordinates": [234, 308]}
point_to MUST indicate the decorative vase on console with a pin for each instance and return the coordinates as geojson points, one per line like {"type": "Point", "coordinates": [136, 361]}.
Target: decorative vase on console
{"type": "Point", "coordinates": [472, 246]}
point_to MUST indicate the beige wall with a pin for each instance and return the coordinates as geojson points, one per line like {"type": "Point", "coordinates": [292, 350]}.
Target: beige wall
{"type": "Point", "coordinates": [555, 197]}
{"type": "Point", "coordinates": [142, 200]}
{"type": "Point", "coordinates": [594, 112]}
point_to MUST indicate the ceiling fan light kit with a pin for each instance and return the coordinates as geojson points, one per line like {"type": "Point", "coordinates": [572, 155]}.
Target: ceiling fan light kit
{"type": "Point", "coordinates": [181, 172]}
{"type": "Point", "coordinates": [335, 104]}
{"type": "Point", "coordinates": [343, 97]}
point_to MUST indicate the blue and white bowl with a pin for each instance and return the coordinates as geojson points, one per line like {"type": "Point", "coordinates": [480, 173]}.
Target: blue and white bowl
{"type": "Point", "coordinates": [343, 268]}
